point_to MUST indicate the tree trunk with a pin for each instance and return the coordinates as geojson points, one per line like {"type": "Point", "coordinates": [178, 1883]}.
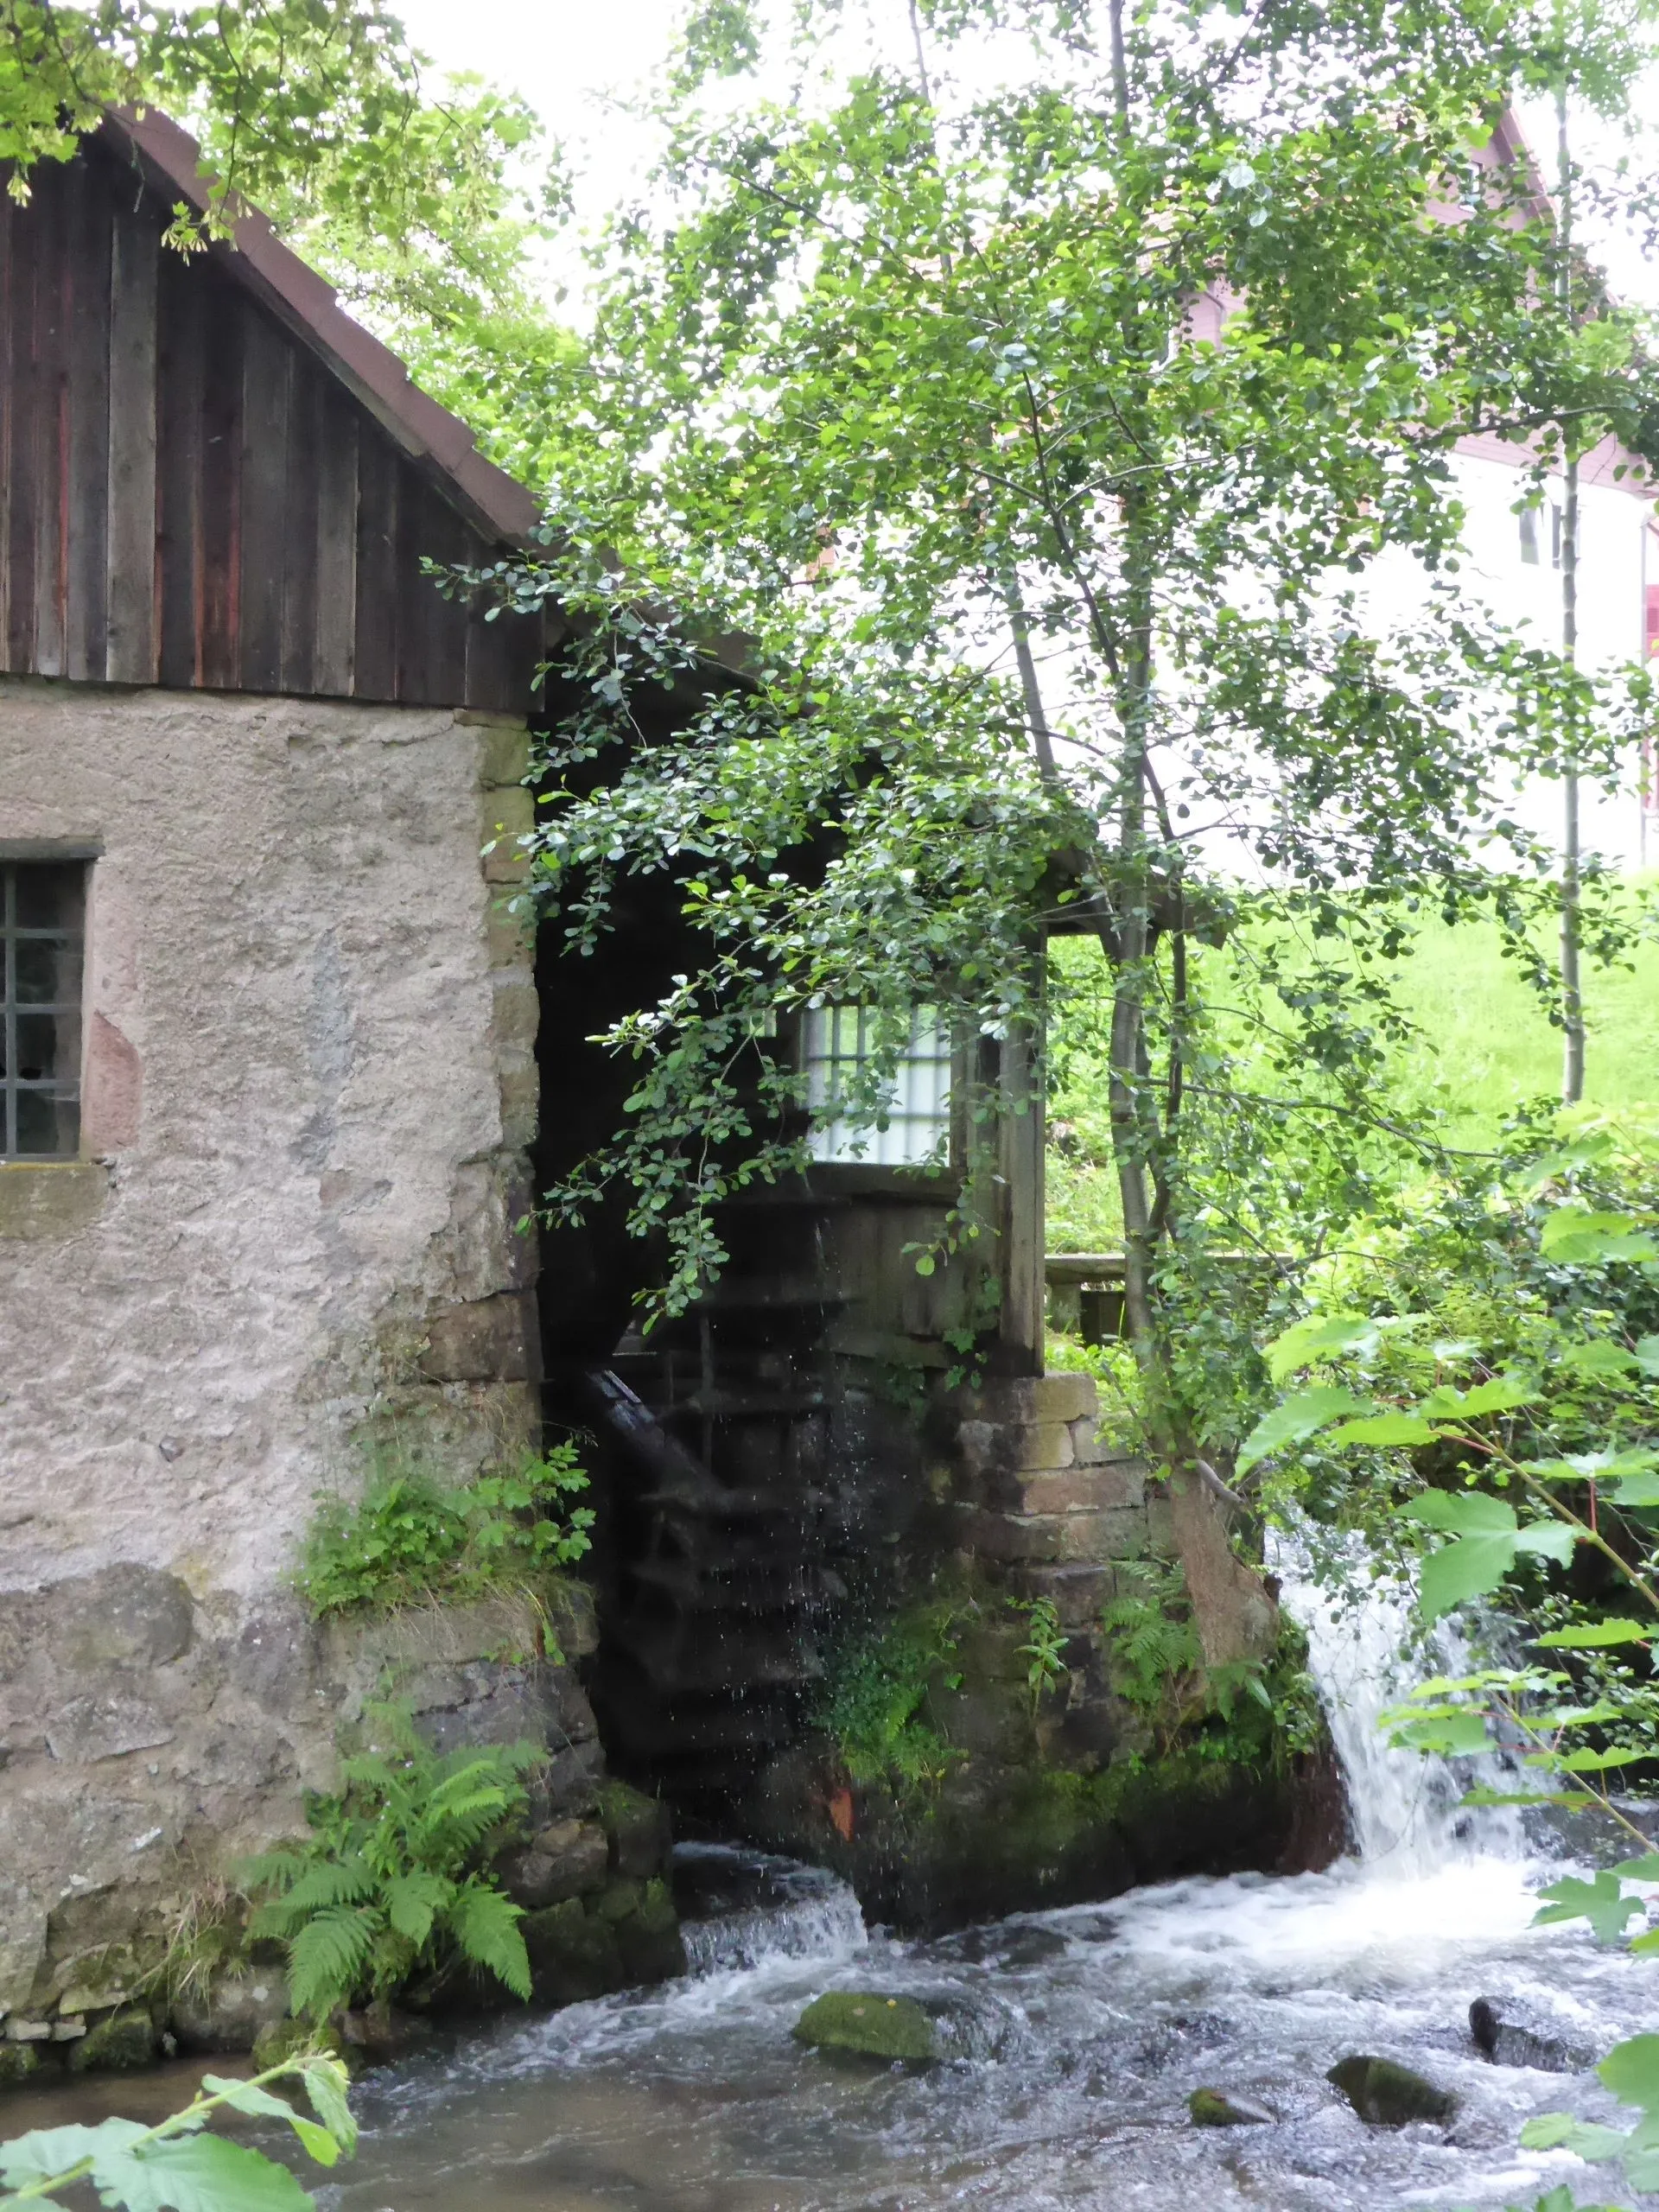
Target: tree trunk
{"type": "Point", "coordinates": [1232, 1611]}
{"type": "Point", "coordinates": [1571, 992]}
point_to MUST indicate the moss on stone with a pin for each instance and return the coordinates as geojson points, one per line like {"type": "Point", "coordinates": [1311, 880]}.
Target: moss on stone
{"type": "Point", "coordinates": [19, 2063]}
{"type": "Point", "coordinates": [115, 2045]}
{"type": "Point", "coordinates": [574, 1953]}
{"type": "Point", "coordinates": [1215, 2108]}
{"type": "Point", "coordinates": [617, 1900]}
{"type": "Point", "coordinates": [648, 1936]}
{"type": "Point", "coordinates": [1387, 2095]}
{"type": "Point", "coordinates": [637, 1828]}
{"type": "Point", "coordinates": [868, 2023]}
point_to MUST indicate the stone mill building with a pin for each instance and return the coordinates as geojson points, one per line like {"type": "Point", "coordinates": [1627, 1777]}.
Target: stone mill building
{"type": "Point", "coordinates": [272, 1120]}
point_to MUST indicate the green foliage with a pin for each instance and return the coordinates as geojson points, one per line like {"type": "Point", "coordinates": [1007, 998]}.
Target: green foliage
{"type": "Point", "coordinates": [393, 1881]}
{"type": "Point", "coordinates": [1473, 1372]}
{"type": "Point", "coordinates": [409, 1539]}
{"type": "Point", "coordinates": [1249, 1711]}
{"type": "Point", "coordinates": [1044, 1650]}
{"type": "Point", "coordinates": [898, 383]}
{"type": "Point", "coordinates": [876, 1692]}
{"type": "Point", "coordinates": [1152, 1645]}
{"type": "Point", "coordinates": [175, 2164]}
{"type": "Point", "coordinates": [313, 104]}
{"type": "Point", "coordinates": [1499, 1327]}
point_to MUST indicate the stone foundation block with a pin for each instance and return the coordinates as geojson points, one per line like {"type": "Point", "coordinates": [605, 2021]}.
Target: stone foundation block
{"type": "Point", "coordinates": [488, 1340]}
{"type": "Point", "coordinates": [509, 935]}
{"type": "Point", "coordinates": [509, 812]}
{"type": "Point", "coordinates": [1077, 1590]}
{"type": "Point", "coordinates": [1027, 1399]}
{"type": "Point", "coordinates": [504, 755]}
{"type": "Point", "coordinates": [520, 1084]}
{"type": "Point", "coordinates": [1118, 1533]}
{"type": "Point", "coordinates": [999, 1446]}
{"type": "Point", "coordinates": [1083, 1489]}
{"type": "Point", "coordinates": [516, 1009]}
{"type": "Point", "coordinates": [48, 1199]}
{"type": "Point", "coordinates": [1093, 1443]}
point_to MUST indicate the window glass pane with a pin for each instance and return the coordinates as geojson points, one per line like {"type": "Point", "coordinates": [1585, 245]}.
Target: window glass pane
{"type": "Point", "coordinates": [48, 895]}
{"type": "Point", "coordinates": [37, 1047]}
{"type": "Point", "coordinates": [48, 968]}
{"type": "Point", "coordinates": [48, 1127]}
{"type": "Point", "coordinates": [41, 910]}
{"type": "Point", "coordinates": [916, 1125]}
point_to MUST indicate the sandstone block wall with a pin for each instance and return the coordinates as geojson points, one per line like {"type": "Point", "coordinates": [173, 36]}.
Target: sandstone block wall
{"type": "Point", "coordinates": [309, 1084]}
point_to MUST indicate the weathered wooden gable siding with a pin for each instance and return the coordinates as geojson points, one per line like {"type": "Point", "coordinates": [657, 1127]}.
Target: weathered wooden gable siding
{"type": "Point", "coordinates": [189, 497]}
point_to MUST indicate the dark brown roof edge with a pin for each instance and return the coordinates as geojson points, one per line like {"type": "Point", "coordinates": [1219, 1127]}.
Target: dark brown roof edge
{"type": "Point", "coordinates": [305, 303]}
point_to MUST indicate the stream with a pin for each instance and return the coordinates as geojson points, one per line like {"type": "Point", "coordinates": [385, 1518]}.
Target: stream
{"type": "Point", "coordinates": [1074, 2036]}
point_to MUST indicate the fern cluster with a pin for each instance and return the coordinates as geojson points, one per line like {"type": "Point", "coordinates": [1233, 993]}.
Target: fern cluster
{"type": "Point", "coordinates": [1152, 1643]}
{"type": "Point", "coordinates": [412, 1538]}
{"type": "Point", "coordinates": [392, 1881]}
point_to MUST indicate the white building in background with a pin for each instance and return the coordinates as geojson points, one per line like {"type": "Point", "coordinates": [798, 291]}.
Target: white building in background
{"type": "Point", "coordinates": [1513, 564]}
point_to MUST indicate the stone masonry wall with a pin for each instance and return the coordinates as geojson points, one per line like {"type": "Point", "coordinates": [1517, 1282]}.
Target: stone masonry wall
{"type": "Point", "coordinates": [309, 1085]}
{"type": "Point", "coordinates": [1045, 1496]}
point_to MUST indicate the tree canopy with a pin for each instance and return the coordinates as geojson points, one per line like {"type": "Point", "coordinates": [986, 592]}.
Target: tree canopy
{"type": "Point", "coordinates": [1037, 403]}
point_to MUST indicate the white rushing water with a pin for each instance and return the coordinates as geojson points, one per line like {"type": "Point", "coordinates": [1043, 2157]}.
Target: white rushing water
{"type": "Point", "coordinates": [1074, 2036]}
{"type": "Point", "coordinates": [1405, 1809]}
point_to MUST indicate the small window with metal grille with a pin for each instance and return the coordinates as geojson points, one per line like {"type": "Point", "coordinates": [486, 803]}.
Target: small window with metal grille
{"type": "Point", "coordinates": [837, 1042]}
{"type": "Point", "coordinates": [42, 918]}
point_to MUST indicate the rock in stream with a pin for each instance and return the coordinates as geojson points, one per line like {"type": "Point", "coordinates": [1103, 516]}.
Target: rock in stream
{"type": "Point", "coordinates": [867, 2022]}
{"type": "Point", "coordinates": [1387, 2095]}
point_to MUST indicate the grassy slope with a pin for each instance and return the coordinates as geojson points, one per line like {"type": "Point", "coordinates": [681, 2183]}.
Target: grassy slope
{"type": "Point", "coordinates": [1486, 1047]}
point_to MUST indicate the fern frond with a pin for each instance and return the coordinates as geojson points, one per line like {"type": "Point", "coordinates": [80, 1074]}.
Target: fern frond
{"type": "Point", "coordinates": [331, 1881]}
{"type": "Point", "coordinates": [273, 1870]}
{"type": "Point", "coordinates": [413, 1902]}
{"type": "Point", "coordinates": [327, 1957]}
{"type": "Point", "coordinates": [485, 1924]}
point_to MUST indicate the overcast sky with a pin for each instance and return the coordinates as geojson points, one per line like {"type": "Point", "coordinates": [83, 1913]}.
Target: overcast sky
{"type": "Point", "coordinates": [572, 60]}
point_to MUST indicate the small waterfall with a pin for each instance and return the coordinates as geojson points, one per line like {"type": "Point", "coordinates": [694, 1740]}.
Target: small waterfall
{"type": "Point", "coordinates": [756, 1909]}
{"type": "Point", "coordinates": [1364, 1655]}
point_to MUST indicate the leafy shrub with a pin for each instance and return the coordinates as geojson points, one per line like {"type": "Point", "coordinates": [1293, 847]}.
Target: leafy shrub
{"type": "Point", "coordinates": [1044, 1649]}
{"type": "Point", "coordinates": [391, 1882]}
{"type": "Point", "coordinates": [410, 1539]}
{"type": "Point", "coordinates": [877, 1689]}
{"type": "Point", "coordinates": [138, 2169]}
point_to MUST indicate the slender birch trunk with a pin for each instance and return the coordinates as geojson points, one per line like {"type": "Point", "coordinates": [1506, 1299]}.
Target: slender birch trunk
{"type": "Point", "coordinates": [1572, 857]}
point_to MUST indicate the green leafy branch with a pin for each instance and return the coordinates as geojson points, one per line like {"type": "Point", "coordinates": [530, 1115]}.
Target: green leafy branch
{"type": "Point", "coordinates": [176, 2163]}
{"type": "Point", "coordinates": [1044, 1650]}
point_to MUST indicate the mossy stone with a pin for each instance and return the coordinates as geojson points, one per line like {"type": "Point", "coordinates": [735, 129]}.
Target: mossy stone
{"type": "Point", "coordinates": [1215, 2108]}
{"type": "Point", "coordinates": [637, 1828]}
{"type": "Point", "coordinates": [649, 1938]}
{"type": "Point", "coordinates": [1387, 2095]}
{"type": "Point", "coordinates": [283, 2038]}
{"type": "Point", "coordinates": [574, 1954]}
{"type": "Point", "coordinates": [617, 1900]}
{"type": "Point", "coordinates": [867, 2022]}
{"type": "Point", "coordinates": [115, 2045]}
{"type": "Point", "coordinates": [19, 2063]}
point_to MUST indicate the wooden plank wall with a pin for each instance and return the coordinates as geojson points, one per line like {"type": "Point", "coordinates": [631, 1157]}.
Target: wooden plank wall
{"type": "Point", "coordinates": [189, 497]}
